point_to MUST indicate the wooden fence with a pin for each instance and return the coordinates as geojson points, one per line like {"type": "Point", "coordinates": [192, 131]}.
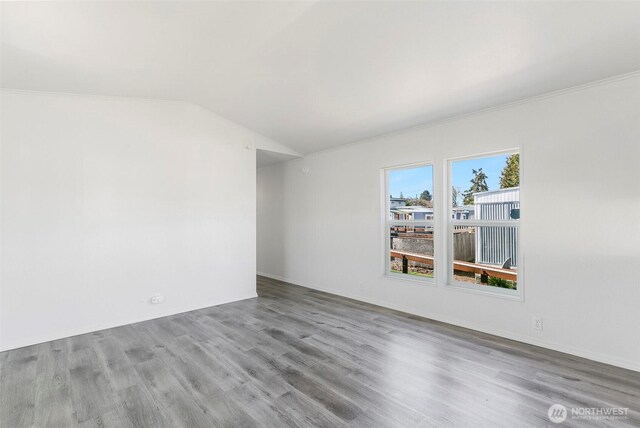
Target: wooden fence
{"type": "Point", "coordinates": [457, 265]}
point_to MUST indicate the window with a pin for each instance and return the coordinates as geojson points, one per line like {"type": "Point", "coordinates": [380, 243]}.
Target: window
{"type": "Point", "coordinates": [409, 222]}
{"type": "Point", "coordinates": [484, 196]}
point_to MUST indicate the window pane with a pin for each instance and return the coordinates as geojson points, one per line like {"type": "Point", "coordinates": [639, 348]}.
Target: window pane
{"type": "Point", "coordinates": [411, 193]}
{"type": "Point", "coordinates": [486, 255]}
{"type": "Point", "coordinates": [486, 188]}
{"type": "Point", "coordinates": [411, 250]}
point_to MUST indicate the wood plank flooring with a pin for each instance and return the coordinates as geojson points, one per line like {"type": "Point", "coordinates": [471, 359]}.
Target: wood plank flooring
{"type": "Point", "coordinates": [295, 357]}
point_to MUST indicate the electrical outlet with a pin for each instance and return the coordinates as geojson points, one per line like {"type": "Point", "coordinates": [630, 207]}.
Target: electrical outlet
{"type": "Point", "coordinates": [157, 299]}
{"type": "Point", "coordinates": [537, 323]}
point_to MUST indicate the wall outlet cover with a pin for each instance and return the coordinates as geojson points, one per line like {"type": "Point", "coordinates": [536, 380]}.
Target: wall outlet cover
{"type": "Point", "coordinates": [157, 298]}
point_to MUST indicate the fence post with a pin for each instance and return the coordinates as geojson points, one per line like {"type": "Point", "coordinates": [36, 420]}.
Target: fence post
{"type": "Point", "coordinates": [405, 264]}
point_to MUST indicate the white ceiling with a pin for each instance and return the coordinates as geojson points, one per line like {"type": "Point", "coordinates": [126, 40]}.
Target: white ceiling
{"type": "Point", "coordinates": [313, 75]}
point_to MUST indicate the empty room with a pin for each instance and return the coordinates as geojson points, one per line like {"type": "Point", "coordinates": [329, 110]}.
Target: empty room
{"type": "Point", "coordinates": [320, 214]}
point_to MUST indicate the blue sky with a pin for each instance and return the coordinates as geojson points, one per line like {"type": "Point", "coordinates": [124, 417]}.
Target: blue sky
{"type": "Point", "coordinates": [413, 181]}
{"type": "Point", "coordinates": [462, 173]}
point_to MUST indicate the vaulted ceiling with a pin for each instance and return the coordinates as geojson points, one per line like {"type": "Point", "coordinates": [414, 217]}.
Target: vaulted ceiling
{"type": "Point", "coordinates": [312, 75]}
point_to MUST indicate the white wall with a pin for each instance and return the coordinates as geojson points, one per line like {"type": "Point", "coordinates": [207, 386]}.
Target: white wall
{"type": "Point", "coordinates": [580, 220]}
{"type": "Point", "coordinates": [107, 201]}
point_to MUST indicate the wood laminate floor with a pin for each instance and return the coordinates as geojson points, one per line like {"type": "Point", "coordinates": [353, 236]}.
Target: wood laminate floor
{"type": "Point", "coordinates": [298, 357]}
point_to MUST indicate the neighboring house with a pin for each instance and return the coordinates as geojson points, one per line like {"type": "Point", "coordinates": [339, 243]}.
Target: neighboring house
{"type": "Point", "coordinates": [397, 202]}
{"type": "Point", "coordinates": [465, 212]}
{"type": "Point", "coordinates": [494, 245]}
{"type": "Point", "coordinates": [496, 204]}
{"type": "Point", "coordinates": [411, 213]}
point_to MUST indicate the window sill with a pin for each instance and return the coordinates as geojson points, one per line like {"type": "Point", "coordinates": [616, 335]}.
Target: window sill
{"type": "Point", "coordinates": [487, 290]}
{"type": "Point", "coordinates": [430, 281]}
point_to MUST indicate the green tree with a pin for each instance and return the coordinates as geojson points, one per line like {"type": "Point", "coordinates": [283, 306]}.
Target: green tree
{"type": "Point", "coordinates": [426, 195]}
{"type": "Point", "coordinates": [419, 202]}
{"type": "Point", "coordinates": [510, 175]}
{"type": "Point", "coordinates": [478, 184]}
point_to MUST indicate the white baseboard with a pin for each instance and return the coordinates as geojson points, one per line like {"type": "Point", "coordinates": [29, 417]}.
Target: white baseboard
{"type": "Point", "coordinates": [22, 342]}
{"type": "Point", "coordinates": [598, 357]}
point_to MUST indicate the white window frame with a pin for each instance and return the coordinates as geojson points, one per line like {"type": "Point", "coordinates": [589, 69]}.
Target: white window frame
{"type": "Point", "coordinates": [388, 223]}
{"type": "Point", "coordinates": [450, 223]}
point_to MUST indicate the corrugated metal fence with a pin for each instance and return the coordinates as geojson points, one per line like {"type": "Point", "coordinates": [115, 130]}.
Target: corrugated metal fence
{"type": "Point", "coordinates": [494, 245]}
